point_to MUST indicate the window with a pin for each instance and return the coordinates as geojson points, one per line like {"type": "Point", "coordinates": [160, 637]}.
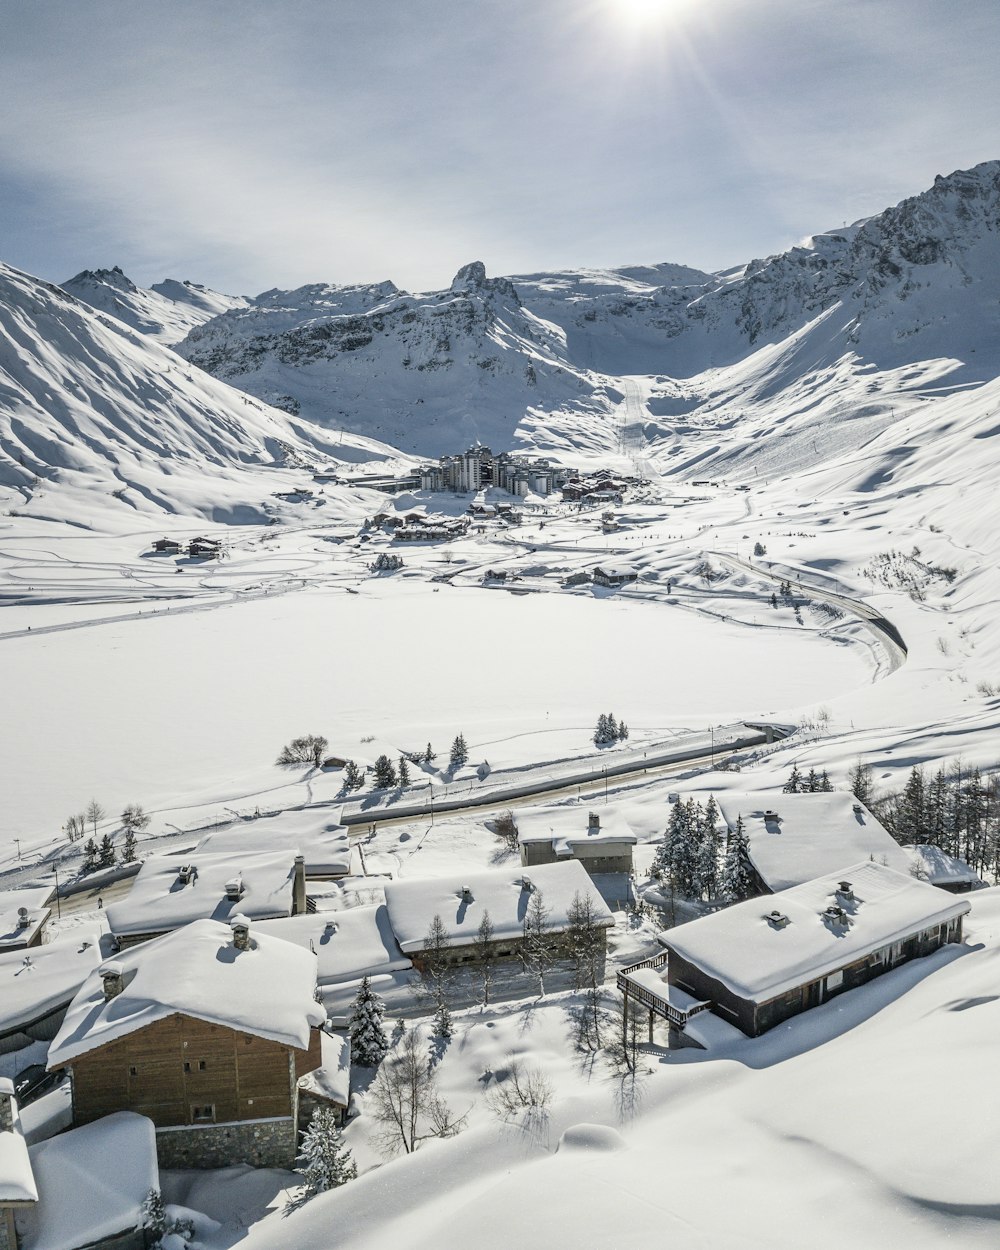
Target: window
{"type": "Point", "coordinates": [133, 1070]}
{"type": "Point", "coordinates": [204, 1114]}
{"type": "Point", "coordinates": [192, 1065]}
{"type": "Point", "coordinates": [835, 981]}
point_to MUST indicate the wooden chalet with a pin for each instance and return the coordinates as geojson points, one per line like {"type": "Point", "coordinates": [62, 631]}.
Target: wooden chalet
{"type": "Point", "coordinates": [614, 575]}
{"type": "Point", "coordinates": [167, 546]}
{"type": "Point", "coordinates": [206, 1031]}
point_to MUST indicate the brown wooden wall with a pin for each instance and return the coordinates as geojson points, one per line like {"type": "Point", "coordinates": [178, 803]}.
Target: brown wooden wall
{"type": "Point", "coordinates": [245, 1077]}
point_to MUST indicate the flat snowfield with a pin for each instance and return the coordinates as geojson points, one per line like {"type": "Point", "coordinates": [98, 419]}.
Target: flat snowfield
{"type": "Point", "coordinates": [195, 704]}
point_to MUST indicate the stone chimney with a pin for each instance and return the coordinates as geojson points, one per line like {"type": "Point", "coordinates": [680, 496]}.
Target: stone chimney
{"type": "Point", "coordinates": [593, 823]}
{"type": "Point", "coordinates": [299, 887]}
{"type": "Point", "coordinates": [113, 976]}
{"type": "Point", "coordinates": [240, 926]}
{"type": "Point", "coordinates": [6, 1105]}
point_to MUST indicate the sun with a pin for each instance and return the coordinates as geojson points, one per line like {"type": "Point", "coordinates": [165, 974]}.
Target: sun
{"type": "Point", "coordinates": [646, 12]}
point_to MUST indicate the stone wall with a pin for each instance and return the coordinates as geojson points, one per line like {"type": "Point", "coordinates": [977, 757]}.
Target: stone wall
{"type": "Point", "coordinates": [261, 1143]}
{"type": "Point", "coordinates": [8, 1240]}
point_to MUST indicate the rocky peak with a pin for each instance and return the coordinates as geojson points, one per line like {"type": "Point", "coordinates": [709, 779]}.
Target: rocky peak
{"type": "Point", "coordinates": [472, 277]}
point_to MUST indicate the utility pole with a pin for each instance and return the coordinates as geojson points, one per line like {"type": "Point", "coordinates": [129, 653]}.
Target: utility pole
{"type": "Point", "coordinates": [55, 871]}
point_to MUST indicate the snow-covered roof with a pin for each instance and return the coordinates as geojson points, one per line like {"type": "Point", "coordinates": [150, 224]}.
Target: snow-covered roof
{"type": "Point", "coordinates": [197, 971]}
{"type": "Point", "coordinates": [759, 959]}
{"type": "Point", "coordinates": [327, 853]}
{"type": "Point", "coordinates": [349, 944]}
{"type": "Point", "coordinates": [160, 900]}
{"type": "Point", "coordinates": [33, 901]}
{"type": "Point", "coordinates": [567, 827]}
{"type": "Point", "coordinates": [332, 1079]}
{"type": "Point", "coordinates": [17, 1184]}
{"type": "Point", "coordinates": [813, 834]}
{"type": "Point", "coordinates": [35, 982]}
{"type": "Point", "coordinates": [92, 1182]}
{"type": "Point", "coordinates": [939, 868]}
{"type": "Point", "coordinates": [412, 905]}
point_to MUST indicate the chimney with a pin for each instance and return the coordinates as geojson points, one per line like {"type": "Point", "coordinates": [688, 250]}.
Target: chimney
{"type": "Point", "coordinates": [299, 887]}
{"type": "Point", "coordinates": [240, 926]}
{"type": "Point", "coordinates": [593, 823]}
{"type": "Point", "coordinates": [6, 1105]}
{"type": "Point", "coordinates": [23, 919]}
{"type": "Point", "coordinates": [845, 889]}
{"type": "Point", "coordinates": [234, 888]}
{"type": "Point", "coordinates": [526, 884]}
{"type": "Point", "coordinates": [466, 894]}
{"type": "Point", "coordinates": [113, 976]}
{"type": "Point", "coordinates": [186, 874]}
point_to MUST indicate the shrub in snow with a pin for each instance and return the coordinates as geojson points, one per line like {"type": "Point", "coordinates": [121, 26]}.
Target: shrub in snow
{"type": "Point", "coordinates": [308, 749]}
{"type": "Point", "coordinates": [154, 1214]}
{"type": "Point", "coordinates": [521, 1087]}
{"type": "Point", "coordinates": [326, 1162]}
{"type": "Point", "coordinates": [368, 1040]}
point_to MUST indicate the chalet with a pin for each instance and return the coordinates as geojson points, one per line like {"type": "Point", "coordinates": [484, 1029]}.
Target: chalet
{"type": "Point", "coordinates": [947, 872]}
{"type": "Point", "coordinates": [326, 852]}
{"type": "Point", "coordinates": [462, 901]}
{"type": "Point", "coordinates": [203, 548]}
{"type": "Point", "coordinates": [761, 962]}
{"type": "Point", "coordinates": [206, 1031]}
{"type": "Point", "coordinates": [793, 838]}
{"type": "Point", "coordinates": [23, 917]}
{"type": "Point", "coordinates": [18, 1191]}
{"type": "Point", "coordinates": [37, 985]}
{"type": "Point", "coordinates": [329, 1085]}
{"type": "Point", "coordinates": [92, 1183]}
{"type": "Point", "coordinates": [167, 546]}
{"type": "Point", "coordinates": [614, 575]}
{"type": "Point", "coordinates": [547, 835]}
{"type": "Point", "coordinates": [170, 891]}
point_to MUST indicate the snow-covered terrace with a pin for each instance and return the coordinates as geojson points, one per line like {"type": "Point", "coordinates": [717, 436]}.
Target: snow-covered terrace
{"type": "Point", "coordinates": [197, 971]}
{"type": "Point", "coordinates": [766, 947]}
{"type": "Point", "coordinates": [796, 837]}
{"type": "Point", "coordinates": [167, 894]}
{"type": "Point", "coordinates": [462, 900]}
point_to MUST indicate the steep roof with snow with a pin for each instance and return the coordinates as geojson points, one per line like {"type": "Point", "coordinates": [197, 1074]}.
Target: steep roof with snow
{"type": "Point", "coordinates": [567, 827]}
{"type": "Point", "coordinates": [331, 1081]}
{"type": "Point", "coordinates": [502, 892]}
{"type": "Point", "coordinates": [35, 982]}
{"type": "Point", "coordinates": [759, 959]}
{"type": "Point", "coordinates": [160, 900]}
{"type": "Point", "coordinates": [327, 852]}
{"type": "Point", "coordinates": [939, 868]}
{"type": "Point", "coordinates": [92, 1182]}
{"type": "Point", "coordinates": [349, 944]}
{"type": "Point", "coordinates": [197, 971]}
{"type": "Point", "coordinates": [813, 834]}
{"type": "Point", "coordinates": [17, 1183]}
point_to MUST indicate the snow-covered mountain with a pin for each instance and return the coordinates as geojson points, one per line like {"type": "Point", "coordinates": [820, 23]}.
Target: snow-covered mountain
{"type": "Point", "coordinates": [166, 312]}
{"type": "Point", "coordinates": [87, 405]}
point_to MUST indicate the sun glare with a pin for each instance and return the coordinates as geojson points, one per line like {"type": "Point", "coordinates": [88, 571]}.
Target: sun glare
{"type": "Point", "coordinates": [646, 12]}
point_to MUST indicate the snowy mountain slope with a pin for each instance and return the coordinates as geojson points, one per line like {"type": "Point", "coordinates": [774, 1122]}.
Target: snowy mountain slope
{"type": "Point", "coordinates": [165, 312]}
{"type": "Point", "coordinates": [423, 372]}
{"type": "Point", "coordinates": [86, 404]}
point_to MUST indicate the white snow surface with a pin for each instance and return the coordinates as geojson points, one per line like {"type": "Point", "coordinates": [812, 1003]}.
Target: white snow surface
{"type": "Point", "coordinates": [197, 971]}
{"type": "Point", "coordinates": [937, 867]}
{"type": "Point", "coordinates": [758, 959]}
{"type": "Point", "coordinates": [92, 1182]}
{"type": "Point", "coordinates": [814, 835]}
{"type": "Point", "coordinates": [332, 1079]}
{"type": "Point", "coordinates": [158, 900]}
{"type": "Point", "coordinates": [567, 827]}
{"type": "Point", "coordinates": [35, 982]}
{"type": "Point", "coordinates": [33, 902]}
{"type": "Point", "coordinates": [326, 851]}
{"type": "Point", "coordinates": [412, 904]}
{"type": "Point", "coordinates": [17, 1181]}
{"type": "Point", "coordinates": [349, 944]}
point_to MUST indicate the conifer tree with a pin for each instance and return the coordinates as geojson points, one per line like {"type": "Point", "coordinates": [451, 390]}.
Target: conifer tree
{"type": "Point", "coordinates": [459, 752]}
{"type": "Point", "coordinates": [404, 771]}
{"type": "Point", "coordinates": [601, 731]}
{"type": "Point", "coordinates": [128, 847]}
{"type": "Point", "coordinates": [736, 881]}
{"type": "Point", "coordinates": [825, 784]}
{"type": "Point", "coordinates": [368, 1040]}
{"type": "Point", "coordinates": [154, 1213]}
{"type": "Point", "coordinates": [429, 755]}
{"type": "Point", "coordinates": [442, 1021]}
{"type": "Point", "coordinates": [794, 783]}
{"type": "Point", "coordinates": [622, 732]}
{"type": "Point", "coordinates": [326, 1161]}
{"type": "Point", "coordinates": [612, 728]}
{"type": "Point", "coordinates": [385, 774]}
{"type": "Point", "coordinates": [106, 854]}
{"type": "Point", "coordinates": [861, 782]}
{"type": "Point", "coordinates": [353, 777]}
{"type": "Point", "coordinates": [812, 782]}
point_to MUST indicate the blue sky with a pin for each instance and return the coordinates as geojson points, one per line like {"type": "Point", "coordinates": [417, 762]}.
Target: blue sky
{"type": "Point", "coordinates": [257, 143]}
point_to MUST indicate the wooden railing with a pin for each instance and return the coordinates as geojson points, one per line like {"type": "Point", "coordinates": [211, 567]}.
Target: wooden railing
{"type": "Point", "coordinates": [648, 998]}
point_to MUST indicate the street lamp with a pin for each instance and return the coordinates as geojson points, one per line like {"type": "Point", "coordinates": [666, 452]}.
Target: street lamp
{"type": "Point", "coordinates": [55, 871]}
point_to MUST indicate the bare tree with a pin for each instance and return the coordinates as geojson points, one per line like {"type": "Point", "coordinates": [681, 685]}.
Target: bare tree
{"type": "Point", "coordinates": [308, 749]}
{"type": "Point", "coordinates": [521, 1087]}
{"type": "Point", "coordinates": [404, 1100]}
{"type": "Point", "coordinates": [586, 943]}
{"type": "Point", "coordinates": [75, 827]}
{"type": "Point", "coordinates": [505, 827]}
{"type": "Point", "coordinates": [535, 954]}
{"type": "Point", "coordinates": [485, 956]}
{"type": "Point", "coordinates": [439, 972]}
{"type": "Point", "coordinates": [94, 814]}
{"type": "Point", "coordinates": [133, 817]}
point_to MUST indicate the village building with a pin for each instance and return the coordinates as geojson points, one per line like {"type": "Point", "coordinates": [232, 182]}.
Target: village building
{"type": "Point", "coordinates": [947, 872]}
{"type": "Point", "coordinates": [172, 890]}
{"type": "Point", "coordinates": [23, 917]}
{"type": "Point", "coordinates": [762, 961]}
{"type": "Point", "coordinates": [18, 1191]}
{"type": "Point", "coordinates": [326, 852]}
{"type": "Point", "coordinates": [793, 838]}
{"type": "Point", "coordinates": [167, 546]}
{"type": "Point", "coordinates": [37, 985]}
{"type": "Point", "coordinates": [92, 1183]}
{"type": "Point", "coordinates": [206, 1031]}
{"type": "Point", "coordinates": [461, 902]}
{"type": "Point", "coordinates": [204, 548]}
{"type": "Point", "coordinates": [329, 1085]}
{"type": "Point", "coordinates": [601, 841]}
{"type": "Point", "coordinates": [614, 575]}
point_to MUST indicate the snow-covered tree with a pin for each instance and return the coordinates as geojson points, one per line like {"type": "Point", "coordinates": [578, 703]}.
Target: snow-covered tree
{"type": "Point", "coordinates": [429, 756]}
{"type": "Point", "coordinates": [353, 777]}
{"type": "Point", "coordinates": [325, 1162]}
{"type": "Point", "coordinates": [861, 781]}
{"type": "Point", "coordinates": [622, 732]}
{"type": "Point", "coordinates": [91, 855]}
{"type": "Point", "coordinates": [442, 1021]}
{"type": "Point", "coordinates": [485, 956]}
{"type": "Point", "coordinates": [154, 1213]}
{"type": "Point", "coordinates": [736, 880]}
{"type": "Point", "coordinates": [368, 1040]}
{"type": "Point", "coordinates": [385, 774]}
{"type": "Point", "coordinates": [794, 783]}
{"type": "Point", "coordinates": [107, 857]}
{"type": "Point", "coordinates": [128, 847]}
{"type": "Point", "coordinates": [535, 954]}
{"type": "Point", "coordinates": [404, 771]}
{"type": "Point", "coordinates": [439, 972]}
{"type": "Point", "coordinates": [601, 730]}
{"type": "Point", "coordinates": [459, 752]}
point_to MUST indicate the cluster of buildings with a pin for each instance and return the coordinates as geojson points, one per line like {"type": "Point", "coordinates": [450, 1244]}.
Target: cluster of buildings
{"type": "Point", "coordinates": [478, 467]}
{"type": "Point", "coordinates": [199, 548]}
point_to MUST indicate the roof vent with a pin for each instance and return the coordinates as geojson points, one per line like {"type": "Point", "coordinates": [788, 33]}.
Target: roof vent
{"type": "Point", "coordinates": [527, 884]}
{"type": "Point", "coordinates": [331, 926]}
{"type": "Point", "coordinates": [593, 822]}
{"type": "Point", "coordinates": [769, 815]}
{"type": "Point", "coordinates": [113, 977]}
{"type": "Point", "coordinates": [777, 918]}
{"type": "Point", "coordinates": [835, 914]}
{"type": "Point", "coordinates": [187, 874]}
{"type": "Point", "coordinates": [240, 926]}
{"type": "Point", "coordinates": [857, 809]}
{"type": "Point", "coordinates": [845, 889]}
{"type": "Point", "coordinates": [234, 888]}
{"type": "Point", "coordinates": [466, 894]}
{"type": "Point", "coordinates": [23, 919]}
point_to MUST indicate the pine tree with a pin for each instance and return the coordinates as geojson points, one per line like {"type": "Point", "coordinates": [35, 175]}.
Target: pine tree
{"type": "Point", "coordinates": [459, 752]}
{"type": "Point", "coordinates": [612, 728]}
{"type": "Point", "coordinates": [812, 782]}
{"type": "Point", "coordinates": [353, 777]}
{"type": "Point", "coordinates": [91, 854]}
{"type": "Point", "coordinates": [368, 1040]}
{"type": "Point", "coordinates": [622, 732]}
{"type": "Point", "coordinates": [106, 854]}
{"type": "Point", "coordinates": [429, 756]}
{"type": "Point", "coordinates": [601, 732]}
{"type": "Point", "coordinates": [128, 847]}
{"type": "Point", "coordinates": [404, 771]}
{"type": "Point", "coordinates": [437, 961]}
{"type": "Point", "coordinates": [794, 783]}
{"type": "Point", "coordinates": [825, 784]}
{"type": "Point", "coordinates": [154, 1213]}
{"type": "Point", "coordinates": [707, 850]}
{"type": "Point", "coordinates": [385, 774]}
{"type": "Point", "coordinates": [861, 783]}
{"type": "Point", "coordinates": [736, 881]}
{"type": "Point", "coordinates": [326, 1161]}
{"type": "Point", "coordinates": [442, 1021]}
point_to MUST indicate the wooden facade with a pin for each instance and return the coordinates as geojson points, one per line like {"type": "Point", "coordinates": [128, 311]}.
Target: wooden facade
{"type": "Point", "coordinates": [755, 1018]}
{"type": "Point", "coordinates": [185, 1071]}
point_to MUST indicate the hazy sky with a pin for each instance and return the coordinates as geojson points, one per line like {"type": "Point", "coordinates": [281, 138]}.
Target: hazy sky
{"type": "Point", "coordinates": [256, 143]}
